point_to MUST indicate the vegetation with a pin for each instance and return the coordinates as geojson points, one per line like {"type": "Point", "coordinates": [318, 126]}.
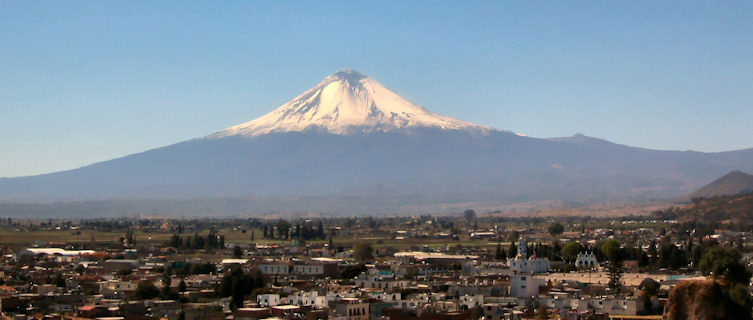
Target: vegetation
{"type": "Point", "coordinates": [237, 284]}
{"type": "Point", "coordinates": [570, 251]}
{"type": "Point", "coordinates": [720, 209]}
{"type": "Point", "coordinates": [146, 290]}
{"type": "Point", "coordinates": [556, 229]}
{"type": "Point", "coordinates": [362, 251]}
{"type": "Point", "coordinates": [212, 241]}
{"type": "Point", "coordinates": [725, 262]}
{"type": "Point", "coordinates": [613, 252]}
{"type": "Point", "coordinates": [351, 272]}
{"type": "Point", "coordinates": [726, 295]}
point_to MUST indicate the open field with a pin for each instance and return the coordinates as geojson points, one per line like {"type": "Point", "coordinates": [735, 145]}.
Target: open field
{"type": "Point", "coordinates": [21, 239]}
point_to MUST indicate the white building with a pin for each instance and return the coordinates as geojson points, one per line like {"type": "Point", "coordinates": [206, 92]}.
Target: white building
{"type": "Point", "coordinates": [471, 301]}
{"type": "Point", "coordinates": [268, 300]}
{"type": "Point", "coordinates": [586, 260]}
{"type": "Point", "coordinates": [525, 285]}
{"type": "Point", "coordinates": [483, 235]}
{"type": "Point", "coordinates": [311, 298]}
{"type": "Point", "coordinates": [274, 269]}
{"type": "Point", "coordinates": [533, 264]}
{"type": "Point", "coordinates": [308, 269]}
{"type": "Point", "coordinates": [380, 282]}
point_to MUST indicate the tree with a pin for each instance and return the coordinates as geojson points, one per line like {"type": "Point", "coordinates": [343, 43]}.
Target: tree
{"type": "Point", "coordinates": [362, 251]}
{"type": "Point", "coordinates": [653, 253]}
{"type": "Point", "coordinates": [146, 290]}
{"type": "Point", "coordinates": [670, 256]}
{"type": "Point", "coordinates": [182, 286]}
{"type": "Point", "coordinates": [500, 254]}
{"type": "Point", "coordinates": [283, 228]}
{"type": "Point", "coordinates": [571, 250]}
{"type": "Point", "coordinates": [237, 251]}
{"type": "Point", "coordinates": [725, 262]}
{"type": "Point", "coordinates": [59, 281]}
{"type": "Point", "coordinates": [611, 249]}
{"type": "Point", "coordinates": [237, 284]}
{"type": "Point", "coordinates": [130, 240]}
{"type": "Point", "coordinates": [556, 229]}
{"type": "Point", "coordinates": [175, 241]}
{"type": "Point", "coordinates": [469, 215]}
{"type": "Point", "coordinates": [512, 250]}
{"type": "Point", "coordinates": [649, 288]}
{"type": "Point", "coordinates": [351, 272]}
{"type": "Point", "coordinates": [320, 230]}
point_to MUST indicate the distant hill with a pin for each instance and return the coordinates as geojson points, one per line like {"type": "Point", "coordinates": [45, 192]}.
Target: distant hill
{"type": "Point", "coordinates": [733, 183]}
{"type": "Point", "coordinates": [722, 209]}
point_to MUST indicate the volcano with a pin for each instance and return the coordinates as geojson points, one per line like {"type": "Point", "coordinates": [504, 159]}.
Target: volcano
{"type": "Point", "coordinates": [350, 145]}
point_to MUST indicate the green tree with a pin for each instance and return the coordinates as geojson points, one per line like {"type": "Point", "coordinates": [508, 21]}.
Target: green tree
{"type": "Point", "coordinates": [649, 288]}
{"type": "Point", "coordinates": [725, 262]}
{"type": "Point", "coordinates": [570, 251]}
{"type": "Point", "coordinates": [59, 281]}
{"type": "Point", "coordinates": [237, 284]}
{"type": "Point", "coordinates": [146, 290]}
{"type": "Point", "coordinates": [556, 229]}
{"type": "Point", "coordinates": [283, 228]}
{"type": "Point", "coordinates": [500, 253]}
{"type": "Point", "coordinates": [182, 286]}
{"type": "Point", "coordinates": [670, 256]}
{"type": "Point", "coordinates": [512, 250]}
{"type": "Point", "coordinates": [362, 251]}
{"type": "Point", "coordinates": [612, 250]}
{"type": "Point", "coordinates": [237, 251]}
{"type": "Point", "coordinates": [351, 272]}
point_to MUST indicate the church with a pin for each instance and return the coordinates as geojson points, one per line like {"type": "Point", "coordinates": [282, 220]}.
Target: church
{"type": "Point", "coordinates": [533, 264]}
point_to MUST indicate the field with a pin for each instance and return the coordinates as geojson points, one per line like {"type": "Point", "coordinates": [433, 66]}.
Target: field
{"type": "Point", "coordinates": [18, 239]}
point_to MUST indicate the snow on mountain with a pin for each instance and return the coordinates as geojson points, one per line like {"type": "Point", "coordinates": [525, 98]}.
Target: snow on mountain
{"type": "Point", "coordinates": [347, 102]}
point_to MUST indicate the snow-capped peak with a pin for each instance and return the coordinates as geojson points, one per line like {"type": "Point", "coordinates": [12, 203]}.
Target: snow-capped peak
{"type": "Point", "coordinates": [347, 102]}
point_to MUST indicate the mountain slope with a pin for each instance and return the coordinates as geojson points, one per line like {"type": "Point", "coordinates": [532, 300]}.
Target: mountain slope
{"type": "Point", "coordinates": [717, 209]}
{"type": "Point", "coordinates": [354, 146]}
{"type": "Point", "coordinates": [733, 183]}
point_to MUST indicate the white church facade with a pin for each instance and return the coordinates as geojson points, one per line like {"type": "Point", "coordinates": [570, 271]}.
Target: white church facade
{"type": "Point", "coordinates": [520, 264]}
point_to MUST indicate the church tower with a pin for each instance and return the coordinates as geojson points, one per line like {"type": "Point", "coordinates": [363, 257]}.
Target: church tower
{"type": "Point", "coordinates": [522, 248]}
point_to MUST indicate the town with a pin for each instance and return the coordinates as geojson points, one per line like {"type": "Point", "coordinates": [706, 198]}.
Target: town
{"type": "Point", "coordinates": [464, 266]}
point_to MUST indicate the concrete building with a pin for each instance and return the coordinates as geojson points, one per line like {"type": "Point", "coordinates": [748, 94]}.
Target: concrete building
{"type": "Point", "coordinates": [268, 300]}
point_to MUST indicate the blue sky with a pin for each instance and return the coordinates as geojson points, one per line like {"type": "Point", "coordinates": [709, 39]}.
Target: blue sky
{"type": "Point", "coordinates": [82, 82]}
